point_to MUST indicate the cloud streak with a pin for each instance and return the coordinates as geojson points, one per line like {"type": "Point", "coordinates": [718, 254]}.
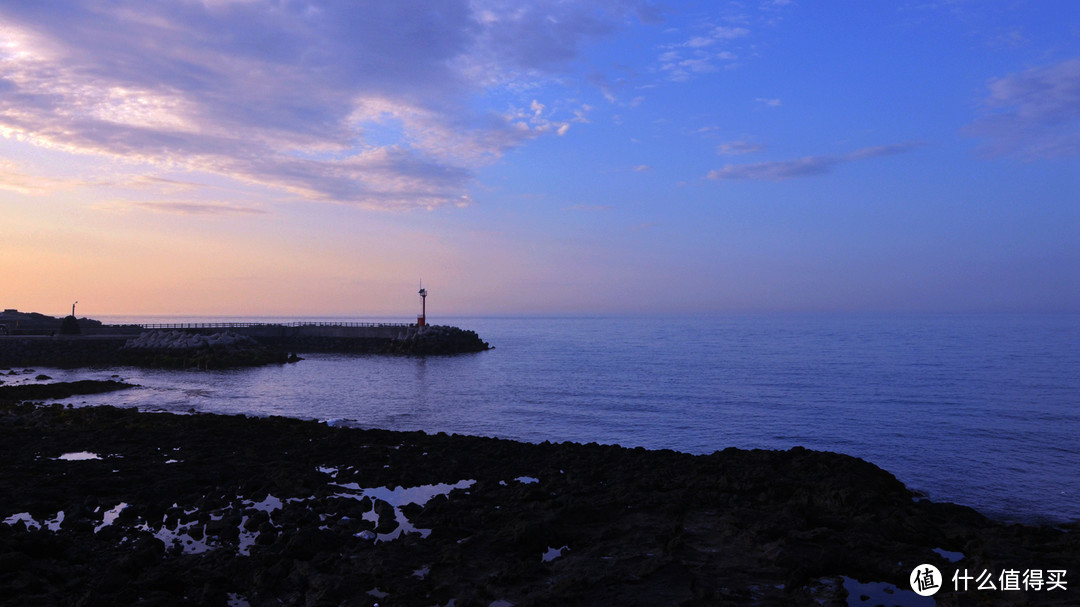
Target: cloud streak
{"type": "Point", "coordinates": [195, 208]}
{"type": "Point", "coordinates": [1034, 113]}
{"type": "Point", "coordinates": [682, 61]}
{"type": "Point", "coordinates": [294, 96]}
{"type": "Point", "coordinates": [738, 148]}
{"type": "Point", "coordinates": [589, 207]}
{"type": "Point", "coordinates": [807, 166]}
{"type": "Point", "coordinates": [13, 178]}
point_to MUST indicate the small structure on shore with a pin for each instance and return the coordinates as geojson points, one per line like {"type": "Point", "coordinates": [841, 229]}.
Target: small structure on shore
{"type": "Point", "coordinates": [15, 322]}
{"type": "Point", "coordinates": [422, 319]}
{"type": "Point", "coordinates": [70, 324]}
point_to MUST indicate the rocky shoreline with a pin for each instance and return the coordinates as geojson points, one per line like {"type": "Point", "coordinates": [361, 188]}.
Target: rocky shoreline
{"type": "Point", "coordinates": [27, 392]}
{"type": "Point", "coordinates": [160, 349]}
{"type": "Point", "coordinates": [437, 340]}
{"type": "Point", "coordinates": [109, 506]}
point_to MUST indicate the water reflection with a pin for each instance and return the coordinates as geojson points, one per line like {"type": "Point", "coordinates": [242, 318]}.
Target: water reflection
{"type": "Point", "coordinates": [978, 410]}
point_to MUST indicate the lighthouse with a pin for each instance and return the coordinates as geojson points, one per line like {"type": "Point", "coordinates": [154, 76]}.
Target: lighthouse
{"type": "Point", "coordinates": [422, 319]}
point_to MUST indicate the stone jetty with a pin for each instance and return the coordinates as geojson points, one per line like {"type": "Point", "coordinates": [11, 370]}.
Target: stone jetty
{"type": "Point", "coordinates": [228, 345]}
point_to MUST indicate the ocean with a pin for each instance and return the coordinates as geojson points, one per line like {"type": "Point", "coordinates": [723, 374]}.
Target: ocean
{"type": "Point", "coordinates": [980, 410]}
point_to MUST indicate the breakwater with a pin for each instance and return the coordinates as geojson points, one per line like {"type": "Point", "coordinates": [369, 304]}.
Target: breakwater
{"type": "Point", "coordinates": [357, 338]}
{"type": "Point", "coordinates": [180, 345]}
{"type": "Point", "coordinates": [60, 351]}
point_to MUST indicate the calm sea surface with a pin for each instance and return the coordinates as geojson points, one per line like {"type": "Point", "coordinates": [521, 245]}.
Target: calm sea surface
{"type": "Point", "coordinates": [978, 410]}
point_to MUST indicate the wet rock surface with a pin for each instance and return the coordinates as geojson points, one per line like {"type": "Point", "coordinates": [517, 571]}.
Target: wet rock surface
{"type": "Point", "coordinates": [63, 351]}
{"type": "Point", "coordinates": [437, 339]}
{"type": "Point", "coordinates": [180, 349]}
{"type": "Point", "coordinates": [217, 510]}
{"type": "Point", "coordinates": [59, 389]}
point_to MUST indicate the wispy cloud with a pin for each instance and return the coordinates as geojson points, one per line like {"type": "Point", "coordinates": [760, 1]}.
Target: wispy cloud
{"type": "Point", "coordinates": [160, 183]}
{"type": "Point", "coordinates": [590, 207]}
{"type": "Point", "coordinates": [738, 148]}
{"type": "Point", "coordinates": [716, 35]}
{"type": "Point", "coordinates": [710, 47]}
{"type": "Point", "coordinates": [509, 38]}
{"type": "Point", "coordinates": [294, 96]}
{"type": "Point", "coordinates": [1034, 113]}
{"type": "Point", "coordinates": [697, 55]}
{"type": "Point", "coordinates": [803, 167]}
{"type": "Point", "coordinates": [14, 178]}
{"type": "Point", "coordinates": [195, 208]}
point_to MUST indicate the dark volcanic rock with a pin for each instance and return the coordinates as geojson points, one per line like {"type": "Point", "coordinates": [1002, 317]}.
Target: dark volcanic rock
{"type": "Point", "coordinates": [70, 326]}
{"type": "Point", "coordinates": [60, 389]}
{"type": "Point", "coordinates": [438, 339]}
{"type": "Point", "coordinates": [179, 349]}
{"type": "Point", "coordinates": [280, 507]}
{"type": "Point", "coordinates": [33, 323]}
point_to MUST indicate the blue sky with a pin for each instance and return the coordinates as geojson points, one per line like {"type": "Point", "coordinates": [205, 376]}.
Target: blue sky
{"type": "Point", "coordinates": [300, 157]}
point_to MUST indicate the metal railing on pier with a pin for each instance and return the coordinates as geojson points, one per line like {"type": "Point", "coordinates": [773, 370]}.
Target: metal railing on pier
{"type": "Point", "coordinates": [244, 325]}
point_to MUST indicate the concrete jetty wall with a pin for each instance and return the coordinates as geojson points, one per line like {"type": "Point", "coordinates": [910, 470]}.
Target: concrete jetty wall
{"type": "Point", "coordinates": [107, 347]}
{"type": "Point", "coordinates": [371, 339]}
{"type": "Point", "coordinates": [306, 338]}
{"type": "Point", "coordinates": [60, 351]}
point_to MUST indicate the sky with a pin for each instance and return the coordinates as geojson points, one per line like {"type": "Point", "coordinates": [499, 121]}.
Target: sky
{"type": "Point", "coordinates": [303, 157]}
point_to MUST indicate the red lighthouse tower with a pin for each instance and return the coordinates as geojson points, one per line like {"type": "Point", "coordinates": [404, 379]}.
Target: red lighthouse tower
{"type": "Point", "coordinates": [422, 319]}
